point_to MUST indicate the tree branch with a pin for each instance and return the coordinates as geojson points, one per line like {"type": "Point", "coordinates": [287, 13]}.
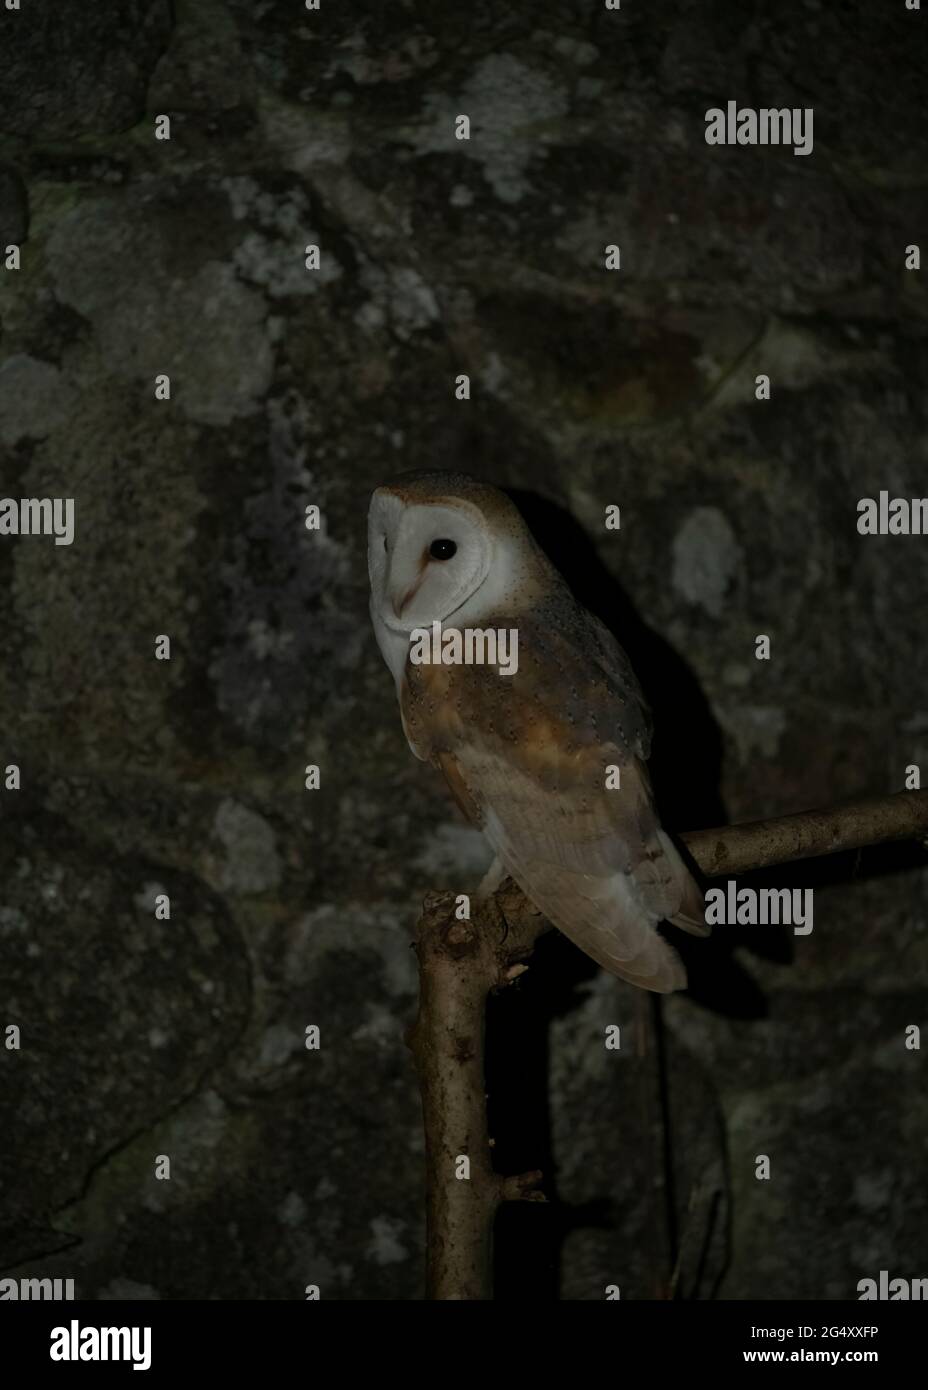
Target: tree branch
{"type": "Point", "coordinates": [735, 849]}
{"type": "Point", "coordinates": [460, 962]}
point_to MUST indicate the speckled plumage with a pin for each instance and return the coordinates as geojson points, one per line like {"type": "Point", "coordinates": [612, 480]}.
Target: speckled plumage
{"type": "Point", "coordinates": [526, 755]}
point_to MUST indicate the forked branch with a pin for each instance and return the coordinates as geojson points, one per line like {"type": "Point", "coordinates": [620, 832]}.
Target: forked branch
{"type": "Point", "coordinates": [460, 962]}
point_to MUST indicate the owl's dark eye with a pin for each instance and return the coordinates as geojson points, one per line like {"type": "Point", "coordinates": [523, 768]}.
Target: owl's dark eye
{"type": "Point", "coordinates": [442, 549]}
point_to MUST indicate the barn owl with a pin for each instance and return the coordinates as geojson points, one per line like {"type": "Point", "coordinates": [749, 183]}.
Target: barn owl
{"type": "Point", "coordinates": [528, 756]}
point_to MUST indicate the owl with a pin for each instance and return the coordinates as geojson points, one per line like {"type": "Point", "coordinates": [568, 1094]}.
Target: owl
{"type": "Point", "coordinates": [549, 758]}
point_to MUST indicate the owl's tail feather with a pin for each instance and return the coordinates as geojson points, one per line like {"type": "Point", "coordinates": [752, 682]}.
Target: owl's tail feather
{"type": "Point", "coordinates": [606, 918]}
{"type": "Point", "coordinates": [691, 914]}
{"type": "Point", "coordinates": [667, 974]}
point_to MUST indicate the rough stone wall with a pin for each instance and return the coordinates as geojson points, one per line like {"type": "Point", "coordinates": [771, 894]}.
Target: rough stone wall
{"type": "Point", "coordinates": [185, 256]}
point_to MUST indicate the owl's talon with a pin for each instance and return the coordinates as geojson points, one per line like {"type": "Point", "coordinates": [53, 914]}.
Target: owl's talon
{"type": "Point", "coordinates": [522, 1187]}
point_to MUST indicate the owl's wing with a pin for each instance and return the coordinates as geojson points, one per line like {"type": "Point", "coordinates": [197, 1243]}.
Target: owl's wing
{"type": "Point", "coordinates": [596, 864]}
{"type": "Point", "coordinates": [622, 685]}
{"type": "Point", "coordinates": [527, 760]}
{"type": "Point", "coordinates": [603, 651]}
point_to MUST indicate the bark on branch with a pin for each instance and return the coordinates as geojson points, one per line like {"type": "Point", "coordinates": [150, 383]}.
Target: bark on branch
{"type": "Point", "coordinates": [735, 849]}
{"type": "Point", "coordinates": [460, 962]}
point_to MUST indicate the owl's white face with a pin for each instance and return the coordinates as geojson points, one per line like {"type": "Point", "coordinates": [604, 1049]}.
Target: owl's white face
{"type": "Point", "coordinates": [425, 559]}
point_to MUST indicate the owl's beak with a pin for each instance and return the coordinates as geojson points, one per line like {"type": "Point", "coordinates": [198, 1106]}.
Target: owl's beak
{"type": "Point", "coordinates": [400, 600]}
